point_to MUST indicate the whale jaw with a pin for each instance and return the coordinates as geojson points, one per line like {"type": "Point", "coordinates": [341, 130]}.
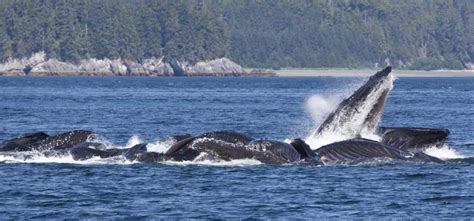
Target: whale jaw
{"type": "Point", "coordinates": [360, 113]}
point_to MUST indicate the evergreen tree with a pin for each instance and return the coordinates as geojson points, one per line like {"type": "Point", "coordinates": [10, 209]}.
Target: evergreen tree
{"type": "Point", "coordinates": [424, 34]}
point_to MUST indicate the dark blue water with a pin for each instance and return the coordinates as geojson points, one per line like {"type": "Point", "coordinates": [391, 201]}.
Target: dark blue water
{"type": "Point", "coordinates": [119, 108]}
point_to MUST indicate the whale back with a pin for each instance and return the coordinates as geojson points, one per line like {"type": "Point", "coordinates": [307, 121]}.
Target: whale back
{"type": "Point", "coordinates": [265, 151]}
{"type": "Point", "coordinates": [24, 142]}
{"type": "Point", "coordinates": [414, 139]}
{"type": "Point", "coordinates": [134, 152]}
{"type": "Point", "coordinates": [41, 141]}
{"type": "Point", "coordinates": [361, 150]}
{"type": "Point", "coordinates": [226, 136]}
{"type": "Point", "coordinates": [65, 140]}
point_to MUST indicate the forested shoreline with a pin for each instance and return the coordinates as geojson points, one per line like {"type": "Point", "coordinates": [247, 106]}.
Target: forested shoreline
{"type": "Point", "coordinates": [266, 34]}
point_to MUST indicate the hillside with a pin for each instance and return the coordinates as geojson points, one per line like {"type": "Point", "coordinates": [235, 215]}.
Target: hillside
{"type": "Point", "coordinates": [420, 34]}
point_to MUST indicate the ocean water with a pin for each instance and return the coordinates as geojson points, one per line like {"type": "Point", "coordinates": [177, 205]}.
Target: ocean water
{"type": "Point", "coordinates": [125, 111]}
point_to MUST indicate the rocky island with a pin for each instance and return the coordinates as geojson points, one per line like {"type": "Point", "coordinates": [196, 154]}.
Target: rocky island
{"type": "Point", "coordinates": [39, 65]}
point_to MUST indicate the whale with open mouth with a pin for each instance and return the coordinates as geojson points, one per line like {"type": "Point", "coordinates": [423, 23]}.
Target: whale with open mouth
{"type": "Point", "coordinates": [354, 117]}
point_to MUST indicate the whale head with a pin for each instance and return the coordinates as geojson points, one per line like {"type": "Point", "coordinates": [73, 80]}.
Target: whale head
{"type": "Point", "coordinates": [358, 114]}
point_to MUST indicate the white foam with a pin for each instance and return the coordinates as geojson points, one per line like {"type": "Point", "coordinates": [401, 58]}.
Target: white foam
{"type": "Point", "coordinates": [160, 146]}
{"type": "Point", "coordinates": [241, 162]}
{"type": "Point", "coordinates": [134, 140]}
{"type": "Point", "coordinates": [444, 152]}
{"type": "Point", "coordinates": [65, 159]}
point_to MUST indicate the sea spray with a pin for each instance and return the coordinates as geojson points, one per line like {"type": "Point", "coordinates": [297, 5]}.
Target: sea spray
{"type": "Point", "coordinates": [319, 106]}
{"type": "Point", "coordinates": [444, 152]}
{"type": "Point", "coordinates": [160, 145]}
{"type": "Point", "coordinates": [27, 157]}
{"type": "Point", "coordinates": [134, 140]}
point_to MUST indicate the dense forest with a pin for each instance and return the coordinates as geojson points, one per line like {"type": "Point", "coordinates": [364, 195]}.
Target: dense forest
{"type": "Point", "coordinates": [419, 34]}
{"type": "Point", "coordinates": [75, 29]}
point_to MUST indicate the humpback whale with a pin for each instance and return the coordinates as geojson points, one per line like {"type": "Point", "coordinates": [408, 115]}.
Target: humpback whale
{"type": "Point", "coordinates": [41, 141]}
{"type": "Point", "coordinates": [414, 139]}
{"type": "Point", "coordinates": [354, 117]}
{"type": "Point", "coordinates": [361, 112]}
{"type": "Point", "coordinates": [360, 150]}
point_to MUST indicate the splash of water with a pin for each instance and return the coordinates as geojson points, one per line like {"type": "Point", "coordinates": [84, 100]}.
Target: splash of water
{"type": "Point", "coordinates": [160, 146]}
{"type": "Point", "coordinates": [134, 140]}
{"type": "Point", "coordinates": [319, 106]}
{"type": "Point", "coordinates": [29, 157]}
{"type": "Point", "coordinates": [444, 152]}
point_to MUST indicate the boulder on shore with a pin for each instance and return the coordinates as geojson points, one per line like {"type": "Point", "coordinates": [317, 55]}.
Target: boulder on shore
{"type": "Point", "coordinates": [156, 67]}
{"type": "Point", "coordinates": [103, 67]}
{"type": "Point", "coordinates": [470, 66]}
{"type": "Point", "coordinates": [216, 67]}
{"type": "Point", "coordinates": [54, 67]}
{"type": "Point", "coordinates": [20, 67]}
{"type": "Point", "coordinates": [149, 67]}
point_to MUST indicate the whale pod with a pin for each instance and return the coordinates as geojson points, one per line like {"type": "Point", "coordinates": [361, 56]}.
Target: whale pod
{"type": "Point", "coordinates": [358, 113]}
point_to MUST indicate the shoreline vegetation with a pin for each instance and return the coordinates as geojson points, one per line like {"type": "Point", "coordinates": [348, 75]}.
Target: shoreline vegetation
{"type": "Point", "coordinates": [274, 34]}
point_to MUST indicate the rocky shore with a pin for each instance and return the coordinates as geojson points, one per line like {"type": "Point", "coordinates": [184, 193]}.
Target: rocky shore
{"type": "Point", "coordinates": [39, 65]}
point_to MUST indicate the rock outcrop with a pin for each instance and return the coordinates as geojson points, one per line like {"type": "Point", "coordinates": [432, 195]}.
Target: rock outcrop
{"type": "Point", "coordinates": [19, 67]}
{"type": "Point", "coordinates": [150, 67]}
{"type": "Point", "coordinates": [103, 67]}
{"type": "Point", "coordinates": [54, 67]}
{"type": "Point", "coordinates": [38, 65]}
{"type": "Point", "coordinates": [217, 67]}
{"type": "Point", "coordinates": [470, 66]}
